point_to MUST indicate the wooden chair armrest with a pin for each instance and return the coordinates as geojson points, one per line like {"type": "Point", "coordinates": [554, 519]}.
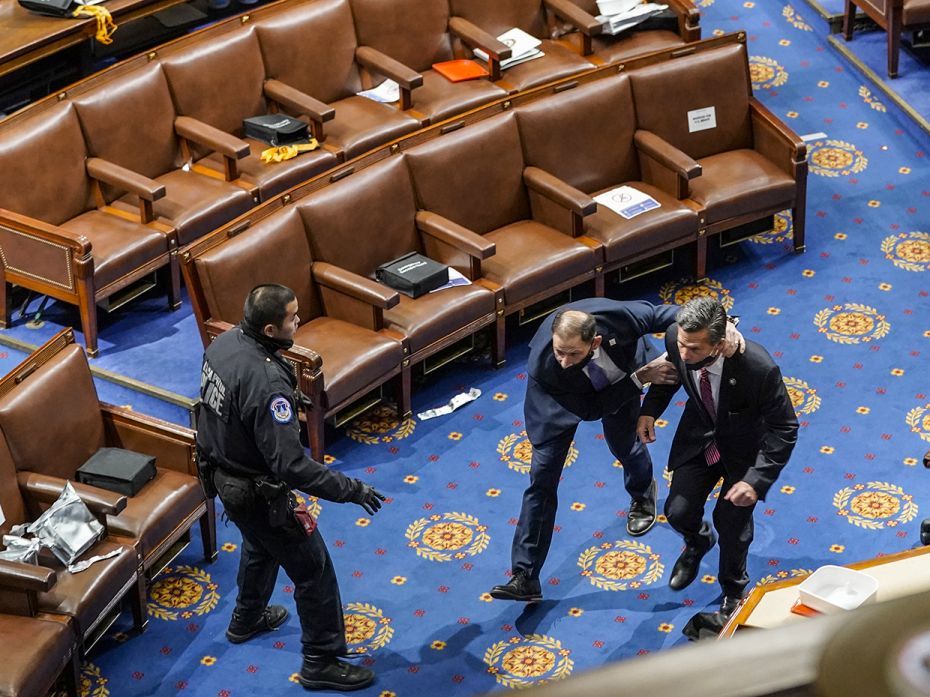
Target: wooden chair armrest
{"type": "Point", "coordinates": [204, 134]}
{"type": "Point", "coordinates": [354, 285]}
{"type": "Point", "coordinates": [773, 139]}
{"type": "Point", "coordinates": [111, 173]}
{"type": "Point", "coordinates": [47, 489]}
{"type": "Point", "coordinates": [663, 165]}
{"type": "Point", "coordinates": [298, 102]}
{"type": "Point", "coordinates": [26, 577]}
{"type": "Point", "coordinates": [558, 191]}
{"type": "Point", "coordinates": [172, 445]}
{"type": "Point", "coordinates": [574, 15]}
{"type": "Point", "coordinates": [40, 230]}
{"type": "Point", "coordinates": [475, 37]}
{"type": "Point", "coordinates": [455, 235]}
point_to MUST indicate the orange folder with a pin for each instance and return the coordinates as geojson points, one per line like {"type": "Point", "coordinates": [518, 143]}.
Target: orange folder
{"type": "Point", "coordinates": [800, 608]}
{"type": "Point", "coordinates": [459, 70]}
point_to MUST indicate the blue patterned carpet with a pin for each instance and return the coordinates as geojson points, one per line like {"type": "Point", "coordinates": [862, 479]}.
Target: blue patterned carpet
{"type": "Point", "coordinates": [848, 323]}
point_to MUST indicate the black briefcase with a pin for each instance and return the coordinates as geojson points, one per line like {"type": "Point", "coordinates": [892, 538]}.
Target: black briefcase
{"type": "Point", "coordinates": [413, 274]}
{"type": "Point", "coordinates": [53, 8]}
{"type": "Point", "coordinates": [276, 129]}
{"type": "Point", "coordinates": [119, 470]}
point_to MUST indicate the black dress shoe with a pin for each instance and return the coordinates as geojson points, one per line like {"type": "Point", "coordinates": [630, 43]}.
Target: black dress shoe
{"type": "Point", "coordinates": [729, 604]}
{"type": "Point", "coordinates": [272, 618]}
{"type": "Point", "coordinates": [330, 673]}
{"type": "Point", "coordinates": [518, 588]}
{"type": "Point", "coordinates": [686, 568]}
{"type": "Point", "coordinates": [642, 515]}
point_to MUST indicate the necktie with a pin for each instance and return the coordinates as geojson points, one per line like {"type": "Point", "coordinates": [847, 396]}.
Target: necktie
{"type": "Point", "coordinates": [711, 454]}
{"type": "Point", "coordinates": [597, 376]}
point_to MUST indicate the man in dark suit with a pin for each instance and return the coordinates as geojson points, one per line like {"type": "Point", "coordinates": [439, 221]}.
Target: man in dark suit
{"type": "Point", "coordinates": [738, 424]}
{"type": "Point", "coordinates": [588, 361]}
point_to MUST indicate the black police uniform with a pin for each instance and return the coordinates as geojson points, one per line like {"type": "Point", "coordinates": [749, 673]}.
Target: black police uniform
{"type": "Point", "coordinates": [248, 433]}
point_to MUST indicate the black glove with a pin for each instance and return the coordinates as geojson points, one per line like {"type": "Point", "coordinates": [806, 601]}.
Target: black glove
{"type": "Point", "coordinates": [367, 497]}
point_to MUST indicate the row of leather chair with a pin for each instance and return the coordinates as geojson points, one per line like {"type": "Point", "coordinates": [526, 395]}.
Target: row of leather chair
{"type": "Point", "coordinates": [506, 200]}
{"type": "Point", "coordinates": [51, 421]}
{"type": "Point", "coordinates": [101, 184]}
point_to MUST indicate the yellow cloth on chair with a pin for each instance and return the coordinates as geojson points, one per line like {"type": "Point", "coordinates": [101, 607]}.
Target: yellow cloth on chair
{"type": "Point", "coordinates": [286, 152]}
{"type": "Point", "coordinates": [105, 24]}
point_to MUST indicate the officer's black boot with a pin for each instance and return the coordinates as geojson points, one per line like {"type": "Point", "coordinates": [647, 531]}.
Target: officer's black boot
{"type": "Point", "coordinates": [330, 673]}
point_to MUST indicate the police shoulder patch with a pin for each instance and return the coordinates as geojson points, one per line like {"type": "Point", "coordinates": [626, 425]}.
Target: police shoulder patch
{"type": "Point", "coordinates": [281, 409]}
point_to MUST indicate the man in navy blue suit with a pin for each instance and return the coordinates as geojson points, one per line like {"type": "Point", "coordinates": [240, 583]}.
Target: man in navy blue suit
{"type": "Point", "coordinates": [588, 361]}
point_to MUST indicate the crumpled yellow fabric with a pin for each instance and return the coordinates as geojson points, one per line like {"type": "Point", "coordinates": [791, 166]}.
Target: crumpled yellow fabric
{"type": "Point", "coordinates": [286, 152]}
{"type": "Point", "coordinates": [105, 24]}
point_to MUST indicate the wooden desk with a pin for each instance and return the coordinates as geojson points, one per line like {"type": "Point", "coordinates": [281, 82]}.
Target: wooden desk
{"type": "Point", "coordinates": [26, 37]}
{"type": "Point", "coordinates": [768, 606]}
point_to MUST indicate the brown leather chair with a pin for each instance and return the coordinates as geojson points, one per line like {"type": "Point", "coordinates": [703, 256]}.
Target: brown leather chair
{"type": "Point", "coordinates": [605, 48]}
{"type": "Point", "coordinates": [752, 165]}
{"type": "Point", "coordinates": [311, 46]}
{"type": "Point", "coordinates": [496, 17]}
{"type": "Point", "coordinates": [39, 652]}
{"type": "Point", "coordinates": [59, 234]}
{"type": "Point", "coordinates": [417, 33]}
{"type": "Point", "coordinates": [55, 382]}
{"type": "Point", "coordinates": [220, 82]}
{"type": "Point", "coordinates": [87, 602]}
{"type": "Point", "coordinates": [894, 16]}
{"type": "Point", "coordinates": [596, 151]}
{"type": "Point", "coordinates": [130, 120]}
{"type": "Point", "coordinates": [477, 178]}
{"type": "Point", "coordinates": [341, 351]}
{"type": "Point", "coordinates": [371, 218]}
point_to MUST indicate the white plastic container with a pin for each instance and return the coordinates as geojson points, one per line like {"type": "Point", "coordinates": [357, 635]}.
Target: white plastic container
{"type": "Point", "coordinates": [833, 588]}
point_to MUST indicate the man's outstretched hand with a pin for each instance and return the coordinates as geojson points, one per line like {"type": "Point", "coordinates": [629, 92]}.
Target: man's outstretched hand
{"type": "Point", "coordinates": [367, 497]}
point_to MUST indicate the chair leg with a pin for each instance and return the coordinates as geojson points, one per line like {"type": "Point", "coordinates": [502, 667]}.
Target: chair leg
{"type": "Point", "coordinates": [316, 432]}
{"type": "Point", "coordinates": [599, 282]}
{"type": "Point", "coordinates": [174, 282]}
{"type": "Point", "coordinates": [72, 675]}
{"type": "Point", "coordinates": [138, 602]}
{"type": "Point", "coordinates": [499, 340]}
{"type": "Point", "coordinates": [894, 40]}
{"type": "Point", "coordinates": [208, 530]}
{"type": "Point", "coordinates": [402, 392]}
{"type": "Point", "coordinates": [849, 17]}
{"type": "Point", "coordinates": [6, 303]}
{"type": "Point", "coordinates": [88, 311]}
{"type": "Point", "coordinates": [700, 256]}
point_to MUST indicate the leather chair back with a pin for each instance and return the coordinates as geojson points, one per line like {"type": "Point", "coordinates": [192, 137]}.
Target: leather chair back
{"type": "Point", "coordinates": [414, 32]}
{"type": "Point", "coordinates": [219, 80]}
{"type": "Point", "coordinates": [365, 220]}
{"type": "Point", "coordinates": [497, 16]}
{"type": "Point", "coordinates": [130, 121]}
{"type": "Point", "coordinates": [473, 176]}
{"type": "Point", "coordinates": [42, 172]}
{"type": "Point", "coordinates": [11, 501]}
{"type": "Point", "coordinates": [51, 420]}
{"type": "Point", "coordinates": [311, 47]}
{"type": "Point", "coordinates": [715, 79]}
{"type": "Point", "coordinates": [585, 137]}
{"type": "Point", "coordinates": [229, 271]}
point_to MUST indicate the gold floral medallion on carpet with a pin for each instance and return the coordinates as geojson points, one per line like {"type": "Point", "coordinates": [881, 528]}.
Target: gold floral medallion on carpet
{"type": "Point", "coordinates": [681, 292]}
{"type": "Point", "coordinates": [181, 593]}
{"type": "Point", "coordinates": [804, 398]}
{"type": "Point", "coordinates": [875, 506]}
{"type": "Point", "coordinates": [447, 537]}
{"type": "Point", "coordinates": [517, 451]}
{"type": "Point", "coordinates": [835, 158]}
{"type": "Point", "coordinates": [908, 250]}
{"type": "Point", "coordinates": [918, 419]}
{"type": "Point", "coordinates": [380, 425]}
{"type": "Point", "coordinates": [851, 323]}
{"type": "Point", "coordinates": [617, 566]}
{"type": "Point", "coordinates": [766, 73]}
{"type": "Point", "coordinates": [533, 659]}
{"type": "Point", "coordinates": [367, 629]}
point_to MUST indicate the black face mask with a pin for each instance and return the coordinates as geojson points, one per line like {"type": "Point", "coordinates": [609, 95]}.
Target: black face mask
{"type": "Point", "coordinates": [268, 342]}
{"type": "Point", "coordinates": [579, 366]}
{"type": "Point", "coordinates": [702, 363]}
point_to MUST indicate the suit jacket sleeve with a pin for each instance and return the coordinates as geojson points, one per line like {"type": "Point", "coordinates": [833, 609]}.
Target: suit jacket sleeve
{"type": "Point", "coordinates": [659, 396]}
{"type": "Point", "coordinates": [780, 436]}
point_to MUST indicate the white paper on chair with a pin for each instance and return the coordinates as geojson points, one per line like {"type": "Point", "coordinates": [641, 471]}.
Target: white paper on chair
{"type": "Point", "coordinates": [523, 47]}
{"type": "Point", "coordinates": [388, 91]}
{"type": "Point", "coordinates": [627, 201]}
{"type": "Point", "coordinates": [2, 516]}
{"type": "Point", "coordinates": [614, 22]}
{"type": "Point", "coordinates": [455, 279]}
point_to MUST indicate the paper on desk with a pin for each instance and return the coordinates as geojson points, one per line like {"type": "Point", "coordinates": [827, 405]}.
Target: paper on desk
{"type": "Point", "coordinates": [455, 279]}
{"type": "Point", "coordinates": [627, 201]}
{"type": "Point", "coordinates": [523, 47]}
{"type": "Point", "coordinates": [84, 564]}
{"type": "Point", "coordinates": [451, 405]}
{"type": "Point", "coordinates": [387, 91]}
{"type": "Point", "coordinates": [616, 23]}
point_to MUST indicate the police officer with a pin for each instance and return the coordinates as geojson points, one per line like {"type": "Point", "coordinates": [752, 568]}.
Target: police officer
{"type": "Point", "coordinates": [248, 439]}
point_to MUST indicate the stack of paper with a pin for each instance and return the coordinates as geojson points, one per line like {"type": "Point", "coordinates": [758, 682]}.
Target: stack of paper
{"type": "Point", "coordinates": [627, 201]}
{"type": "Point", "coordinates": [619, 15]}
{"type": "Point", "coordinates": [388, 91]}
{"type": "Point", "coordinates": [523, 47]}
